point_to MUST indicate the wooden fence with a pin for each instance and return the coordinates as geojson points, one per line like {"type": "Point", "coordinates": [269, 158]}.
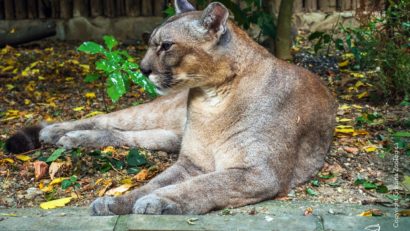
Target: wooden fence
{"type": "Point", "coordinates": [65, 9]}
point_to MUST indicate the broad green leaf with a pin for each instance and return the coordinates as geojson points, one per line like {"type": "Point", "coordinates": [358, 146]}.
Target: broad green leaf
{"type": "Point", "coordinates": [135, 159]}
{"type": "Point", "coordinates": [65, 184]}
{"type": "Point", "coordinates": [129, 66]}
{"type": "Point", "coordinates": [110, 41]}
{"type": "Point", "coordinates": [315, 182]}
{"type": "Point", "coordinates": [116, 86]}
{"type": "Point", "coordinates": [105, 65]}
{"type": "Point", "coordinates": [91, 48]}
{"type": "Point", "coordinates": [369, 185]}
{"type": "Point", "coordinates": [91, 77]}
{"type": "Point", "coordinates": [311, 192]}
{"type": "Point", "coordinates": [402, 134]}
{"type": "Point", "coordinates": [55, 155]}
{"type": "Point", "coordinates": [142, 81]}
{"type": "Point", "coordinates": [382, 189]}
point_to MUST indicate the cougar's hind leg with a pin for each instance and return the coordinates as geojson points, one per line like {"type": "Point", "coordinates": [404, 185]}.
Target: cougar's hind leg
{"type": "Point", "coordinates": [158, 139]}
{"type": "Point", "coordinates": [166, 113]}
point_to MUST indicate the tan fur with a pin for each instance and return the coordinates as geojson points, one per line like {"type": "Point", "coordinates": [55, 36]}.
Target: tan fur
{"type": "Point", "coordinates": [248, 126]}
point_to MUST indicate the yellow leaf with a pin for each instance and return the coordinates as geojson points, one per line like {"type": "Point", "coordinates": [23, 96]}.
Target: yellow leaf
{"type": "Point", "coordinates": [27, 101]}
{"type": "Point", "coordinates": [57, 180]}
{"type": "Point", "coordinates": [126, 181]}
{"type": "Point", "coordinates": [23, 157]}
{"type": "Point", "coordinates": [358, 84]}
{"type": "Point", "coordinates": [344, 107]}
{"type": "Point", "coordinates": [363, 94]}
{"type": "Point", "coordinates": [28, 116]}
{"type": "Point", "coordinates": [55, 203]}
{"type": "Point", "coordinates": [8, 68]}
{"type": "Point", "coordinates": [78, 109]}
{"type": "Point", "coordinates": [9, 86]}
{"type": "Point", "coordinates": [357, 106]}
{"type": "Point", "coordinates": [367, 213]}
{"type": "Point", "coordinates": [86, 68]}
{"type": "Point", "coordinates": [348, 55]}
{"type": "Point", "coordinates": [106, 184]}
{"type": "Point", "coordinates": [69, 79]}
{"type": "Point", "coordinates": [94, 113]}
{"type": "Point", "coordinates": [345, 120]}
{"type": "Point", "coordinates": [108, 149]}
{"type": "Point", "coordinates": [47, 189]}
{"type": "Point", "coordinates": [90, 95]}
{"type": "Point", "coordinates": [357, 75]}
{"type": "Point", "coordinates": [370, 149]}
{"type": "Point", "coordinates": [118, 190]}
{"type": "Point", "coordinates": [41, 78]}
{"type": "Point", "coordinates": [360, 132]}
{"type": "Point", "coordinates": [73, 61]}
{"type": "Point", "coordinates": [344, 129]}
{"type": "Point", "coordinates": [11, 161]}
{"type": "Point", "coordinates": [344, 63]}
{"type": "Point", "coordinates": [8, 214]}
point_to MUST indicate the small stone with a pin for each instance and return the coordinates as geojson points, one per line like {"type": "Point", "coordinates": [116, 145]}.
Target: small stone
{"type": "Point", "coordinates": [32, 193]}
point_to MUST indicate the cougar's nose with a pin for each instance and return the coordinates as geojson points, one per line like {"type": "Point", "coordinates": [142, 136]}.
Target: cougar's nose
{"type": "Point", "coordinates": [146, 71]}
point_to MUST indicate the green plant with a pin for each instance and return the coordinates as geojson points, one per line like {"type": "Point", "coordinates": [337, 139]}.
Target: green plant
{"type": "Point", "coordinates": [252, 12]}
{"type": "Point", "coordinates": [117, 67]}
{"type": "Point", "coordinates": [380, 47]}
{"type": "Point", "coordinates": [72, 181]}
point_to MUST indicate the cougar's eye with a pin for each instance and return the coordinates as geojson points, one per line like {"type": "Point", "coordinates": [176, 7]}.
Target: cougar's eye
{"type": "Point", "coordinates": [166, 45]}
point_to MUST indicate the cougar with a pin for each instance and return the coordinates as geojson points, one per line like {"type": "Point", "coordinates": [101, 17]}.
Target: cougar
{"type": "Point", "coordinates": [247, 126]}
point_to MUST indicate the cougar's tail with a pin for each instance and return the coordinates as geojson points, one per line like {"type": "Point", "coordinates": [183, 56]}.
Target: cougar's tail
{"type": "Point", "coordinates": [24, 140]}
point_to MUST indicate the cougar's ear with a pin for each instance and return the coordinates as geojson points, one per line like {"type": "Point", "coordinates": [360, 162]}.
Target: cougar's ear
{"type": "Point", "coordinates": [182, 6]}
{"type": "Point", "coordinates": [214, 18]}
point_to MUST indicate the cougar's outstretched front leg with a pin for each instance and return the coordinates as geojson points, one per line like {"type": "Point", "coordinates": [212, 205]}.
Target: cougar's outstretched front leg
{"type": "Point", "coordinates": [158, 139]}
{"type": "Point", "coordinates": [166, 113]}
{"type": "Point", "coordinates": [179, 172]}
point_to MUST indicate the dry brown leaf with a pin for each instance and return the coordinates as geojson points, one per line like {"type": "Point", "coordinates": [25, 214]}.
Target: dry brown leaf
{"type": "Point", "coordinates": [351, 150]}
{"type": "Point", "coordinates": [308, 211]}
{"type": "Point", "coordinates": [106, 184]}
{"type": "Point", "coordinates": [118, 190]}
{"type": "Point", "coordinates": [142, 175]}
{"type": "Point", "coordinates": [40, 169]}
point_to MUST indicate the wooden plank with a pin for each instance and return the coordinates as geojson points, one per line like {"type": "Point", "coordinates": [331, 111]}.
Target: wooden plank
{"type": "Point", "coordinates": [120, 7]}
{"type": "Point", "coordinates": [109, 8]}
{"type": "Point", "coordinates": [133, 8]}
{"type": "Point", "coordinates": [2, 9]}
{"type": "Point", "coordinates": [81, 8]}
{"type": "Point", "coordinates": [327, 5]}
{"type": "Point", "coordinates": [55, 8]}
{"type": "Point", "coordinates": [96, 8]}
{"type": "Point", "coordinates": [20, 9]}
{"type": "Point", "coordinates": [32, 11]}
{"type": "Point", "coordinates": [159, 7]}
{"type": "Point", "coordinates": [346, 5]}
{"type": "Point", "coordinates": [298, 6]}
{"type": "Point", "coordinates": [8, 9]}
{"type": "Point", "coordinates": [146, 8]}
{"type": "Point", "coordinates": [311, 5]}
{"type": "Point", "coordinates": [66, 9]}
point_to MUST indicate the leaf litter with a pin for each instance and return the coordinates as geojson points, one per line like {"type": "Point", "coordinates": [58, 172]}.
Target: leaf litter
{"type": "Point", "coordinates": [44, 82]}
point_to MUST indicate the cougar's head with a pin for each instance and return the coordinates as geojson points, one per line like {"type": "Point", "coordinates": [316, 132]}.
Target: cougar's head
{"type": "Point", "coordinates": [187, 50]}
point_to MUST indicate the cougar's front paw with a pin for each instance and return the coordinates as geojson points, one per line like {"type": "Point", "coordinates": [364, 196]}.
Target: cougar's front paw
{"type": "Point", "coordinates": [153, 204]}
{"type": "Point", "coordinates": [52, 133]}
{"type": "Point", "coordinates": [101, 206]}
{"type": "Point", "coordinates": [72, 139]}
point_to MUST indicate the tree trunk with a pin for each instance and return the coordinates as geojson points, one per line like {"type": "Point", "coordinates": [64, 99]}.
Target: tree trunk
{"type": "Point", "coordinates": [283, 39]}
{"type": "Point", "coordinates": [28, 34]}
{"type": "Point", "coordinates": [1, 9]}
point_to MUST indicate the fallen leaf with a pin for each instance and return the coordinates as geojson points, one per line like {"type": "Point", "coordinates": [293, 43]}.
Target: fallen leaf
{"type": "Point", "coordinates": [9, 160]}
{"type": "Point", "coordinates": [142, 175]}
{"type": "Point", "coordinates": [118, 190]}
{"type": "Point", "coordinates": [55, 203]}
{"type": "Point", "coordinates": [40, 169]}
{"type": "Point", "coordinates": [106, 184]}
{"type": "Point", "coordinates": [308, 211]}
{"type": "Point", "coordinates": [351, 149]}
{"type": "Point", "coordinates": [23, 157]}
{"type": "Point", "coordinates": [90, 95]}
{"type": "Point", "coordinates": [53, 169]}
{"type": "Point", "coordinates": [192, 221]}
{"type": "Point", "coordinates": [78, 108]}
{"type": "Point", "coordinates": [404, 213]}
{"type": "Point", "coordinates": [344, 63]}
{"type": "Point", "coordinates": [369, 149]}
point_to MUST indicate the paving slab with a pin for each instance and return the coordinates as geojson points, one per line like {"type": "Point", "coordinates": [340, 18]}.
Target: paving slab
{"type": "Point", "coordinates": [269, 215]}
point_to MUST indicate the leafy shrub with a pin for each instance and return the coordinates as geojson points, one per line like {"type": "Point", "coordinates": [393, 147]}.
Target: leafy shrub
{"type": "Point", "coordinates": [382, 46]}
{"type": "Point", "coordinates": [252, 12]}
{"type": "Point", "coordinates": [117, 67]}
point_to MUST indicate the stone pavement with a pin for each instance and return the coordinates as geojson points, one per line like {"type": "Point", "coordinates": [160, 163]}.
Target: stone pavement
{"type": "Point", "coordinates": [270, 215]}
